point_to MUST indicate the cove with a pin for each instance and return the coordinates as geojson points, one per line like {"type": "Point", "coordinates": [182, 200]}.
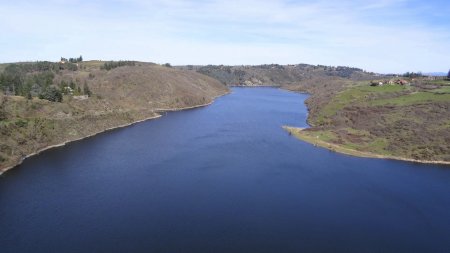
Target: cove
{"type": "Point", "coordinates": [223, 178]}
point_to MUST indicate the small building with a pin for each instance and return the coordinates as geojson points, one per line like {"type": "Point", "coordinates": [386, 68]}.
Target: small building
{"type": "Point", "coordinates": [68, 90]}
{"type": "Point", "coordinates": [401, 82]}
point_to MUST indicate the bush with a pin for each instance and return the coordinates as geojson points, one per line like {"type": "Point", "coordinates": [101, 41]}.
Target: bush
{"type": "Point", "coordinates": [21, 123]}
{"type": "Point", "coordinates": [51, 94]}
{"type": "Point", "coordinates": [86, 90]}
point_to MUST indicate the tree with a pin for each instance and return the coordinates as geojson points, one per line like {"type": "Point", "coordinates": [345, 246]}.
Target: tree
{"type": "Point", "coordinates": [86, 89]}
{"type": "Point", "coordinates": [448, 75]}
{"type": "Point", "coordinates": [3, 101]}
{"type": "Point", "coordinates": [51, 94]}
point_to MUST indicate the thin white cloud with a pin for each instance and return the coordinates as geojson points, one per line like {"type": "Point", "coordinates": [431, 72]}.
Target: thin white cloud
{"type": "Point", "coordinates": [383, 36]}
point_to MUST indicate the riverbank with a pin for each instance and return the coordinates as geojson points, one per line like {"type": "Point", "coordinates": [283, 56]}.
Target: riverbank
{"type": "Point", "coordinates": [3, 170]}
{"type": "Point", "coordinates": [119, 97]}
{"type": "Point", "coordinates": [154, 116]}
{"type": "Point", "coordinates": [304, 136]}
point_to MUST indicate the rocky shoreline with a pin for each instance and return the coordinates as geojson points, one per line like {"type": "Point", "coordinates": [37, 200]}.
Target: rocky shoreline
{"type": "Point", "coordinates": [297, 132]}
{"type": "Point", "coordinates": [157, 115]}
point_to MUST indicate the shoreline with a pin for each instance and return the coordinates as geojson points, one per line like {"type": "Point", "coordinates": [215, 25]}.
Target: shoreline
{"type": "Point", "coordinates": [156, 116]}
{"type": "Point", "coordinates": [295, 131]}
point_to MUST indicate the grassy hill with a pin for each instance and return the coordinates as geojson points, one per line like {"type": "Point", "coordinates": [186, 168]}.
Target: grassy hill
{"type": "Point", "coordinates": [119, 96]}
{"type": "Point", "coordinates": [391, 121]}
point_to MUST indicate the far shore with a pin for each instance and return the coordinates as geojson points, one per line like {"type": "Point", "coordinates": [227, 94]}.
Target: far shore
{"type": "Point", "coordinates": [297, 132]}
{"type": "Point", "coordinates": [155, 116]}
{"type": "Point", "coordinates": [254, 86]}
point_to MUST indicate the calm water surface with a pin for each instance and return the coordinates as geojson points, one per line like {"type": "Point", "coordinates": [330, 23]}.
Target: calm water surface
{"type": "Point", "coordinates": [224, 178]}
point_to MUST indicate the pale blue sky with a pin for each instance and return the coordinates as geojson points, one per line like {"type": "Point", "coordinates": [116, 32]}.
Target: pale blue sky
{"type": "Point", "coordinates": [381, 36]}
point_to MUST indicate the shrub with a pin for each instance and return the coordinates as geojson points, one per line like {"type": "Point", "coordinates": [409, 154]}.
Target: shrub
{"type": "Point", "coordinates": [21, 123]}
{"type": "Point", "coordinates": [52, 94]}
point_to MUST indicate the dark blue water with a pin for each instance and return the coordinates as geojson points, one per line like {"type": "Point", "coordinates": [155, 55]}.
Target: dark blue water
{"type": "Point", "coordinates": [224, 178]}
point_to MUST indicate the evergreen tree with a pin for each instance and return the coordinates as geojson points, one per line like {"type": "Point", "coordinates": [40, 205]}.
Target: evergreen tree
{"type": "Point", "coordinates": [51, 94]}
{"type": "Point", "coordinates": [86, 89]}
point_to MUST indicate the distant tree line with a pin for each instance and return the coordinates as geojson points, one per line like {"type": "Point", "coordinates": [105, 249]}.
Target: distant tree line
{"type": "Point", "coordinates": [72, 60]}
{"type": "Point", "coordinates": [342, 71]}
{"type": "Point", "coordinates": [413, 74]}
{"type": "Point", "coordinates": [115, 64]}
{"type": "Point", "coordinates": [270, 66]}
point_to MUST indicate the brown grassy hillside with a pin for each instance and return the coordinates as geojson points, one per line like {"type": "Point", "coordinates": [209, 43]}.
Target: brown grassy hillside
{"type": "Point", "coordinates": [120, 96]}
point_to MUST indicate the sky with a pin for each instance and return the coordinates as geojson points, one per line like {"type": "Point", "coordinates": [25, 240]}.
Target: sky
{"type": "Point", "coordinates": [384, 36]}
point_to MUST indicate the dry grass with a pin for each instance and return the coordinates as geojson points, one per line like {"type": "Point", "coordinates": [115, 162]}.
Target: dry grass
{"type": "Point", "coordinates": [120, 96]}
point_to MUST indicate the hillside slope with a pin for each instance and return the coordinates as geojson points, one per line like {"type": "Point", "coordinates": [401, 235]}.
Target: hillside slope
{"type": "Point", "coordinates": [120, 96]}
{"type": "Point", "coordinates": [407, 122]}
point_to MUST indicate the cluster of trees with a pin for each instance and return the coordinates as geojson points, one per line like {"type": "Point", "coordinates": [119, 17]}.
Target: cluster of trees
{"type": "Point", "coordinates": [72, 88]}
{"type": "Point", "coordinates": [270, 66]}
{"type": "Point", "coordinates": [37, 80]}
{"type": "Point", "coordinates": [72, 60]}
{"type": "Point", "coordinates": [22, 80]}
{"type": "Point", "coordinates": [342, 71]}
{"type": "Point", "coordinates": [448, 75]}
{"type": "Point", "coordinates": [413, 74]}
{"type": "Point", "coordinates": [40, 66]}
{"type": "Point", "coordinates": [51, 93]}
{"type": "Point", "coordinates": [114, 64]}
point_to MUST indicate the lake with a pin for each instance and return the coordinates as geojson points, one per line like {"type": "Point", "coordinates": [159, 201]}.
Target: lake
{"type": "Point", "coordinates": [223, 178]}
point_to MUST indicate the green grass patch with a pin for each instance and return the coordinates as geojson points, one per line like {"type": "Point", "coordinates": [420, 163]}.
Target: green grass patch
{"type": "Point", "coordinates": [442, 90]}
{"type": "Point", "coordinates": [413, 98]}
{"type": "Point", "coordinates": [382, 89]}
{"type": "Point", "coordinates": [374, 96]}
{"type": "Point", "coordinates": [323, 135]}
{"type": "Point", "coordinates": [440, 82]}
{"type": "Point", "coordinates": [356, 95]}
